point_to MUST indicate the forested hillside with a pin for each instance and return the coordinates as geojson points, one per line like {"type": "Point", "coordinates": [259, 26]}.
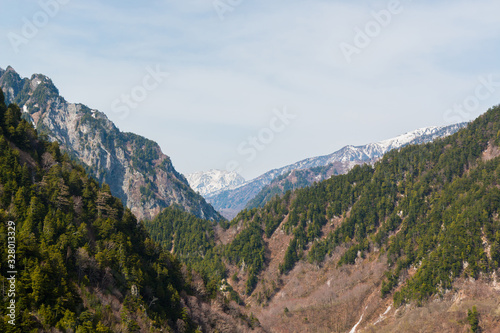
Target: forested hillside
{"type": "Point", "coordinates": [432, 206]}
{"type": "Point", "coordinates": [83, 262]}
{"type": "Point", "coordinates": [428, 212]}
{"type": "Point", "coordinates": [192, 240]}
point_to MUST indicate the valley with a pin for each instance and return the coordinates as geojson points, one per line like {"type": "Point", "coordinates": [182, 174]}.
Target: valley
{"type": "Point", "coordinates": [233, 166]}
{"type": "Point", "coordinates": [369, 239]}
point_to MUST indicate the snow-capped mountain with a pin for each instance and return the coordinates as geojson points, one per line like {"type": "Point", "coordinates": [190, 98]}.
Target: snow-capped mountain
{"type": "Point", "coordinates": [229, 201]}
{"type": "Point", "coordinates": [207, 182]}
{"type": "Point", "coordinates": [378, 149]}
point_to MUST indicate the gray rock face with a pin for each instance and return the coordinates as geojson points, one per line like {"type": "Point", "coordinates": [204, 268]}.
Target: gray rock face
{"type": "Point", "coordinates": [134, 167]}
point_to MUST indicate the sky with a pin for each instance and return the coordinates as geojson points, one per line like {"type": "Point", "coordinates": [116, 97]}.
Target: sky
{"type": "Point", "coordinates": [255, 85]}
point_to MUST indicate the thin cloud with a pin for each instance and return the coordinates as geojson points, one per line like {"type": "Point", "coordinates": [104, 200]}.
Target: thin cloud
{"type": "Point", "coordinates": [264, 55]}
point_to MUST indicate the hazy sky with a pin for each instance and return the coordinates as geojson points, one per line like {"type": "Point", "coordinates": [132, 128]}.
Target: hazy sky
{"type": "Point", "coordinates": [336, 72]}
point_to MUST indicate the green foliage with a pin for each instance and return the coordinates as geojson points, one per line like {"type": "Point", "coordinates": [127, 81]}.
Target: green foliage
{"type": "Point", "coordinates": [145, 152]}
{"type": "Point", "coordinates": [291, 257]}
{"type": "Point", "coordinates": [192, 241]}
{"type": "Point", "coordinates": [43, 93]}
{"type": "Point", "coordinates": [72, 237]}
{"type": "Point", "coordinates": [473, 319]}
{"type": "Point", "coordinates": [248, 250]}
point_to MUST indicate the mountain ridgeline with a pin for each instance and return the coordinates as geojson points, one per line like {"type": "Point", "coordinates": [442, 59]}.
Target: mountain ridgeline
{"type": "Point", "coordinates": [229, 201]}
{"type": "Point", "coordinates": [294, 180]}
{"type": "Point", "coordinates": [428, 214]}
{"type": "Point", "coordinates": [134, 167]}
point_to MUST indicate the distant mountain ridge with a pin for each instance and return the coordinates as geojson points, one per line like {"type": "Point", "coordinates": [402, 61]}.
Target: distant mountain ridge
{"type": "Point", "coordinates": [230, 201]}
{"type": "Point", "coordinates": [212, 181]}
{"type": "Point", "coordinates": [134, 167]}
{"type": "Point", "coordinates": [378, 149]}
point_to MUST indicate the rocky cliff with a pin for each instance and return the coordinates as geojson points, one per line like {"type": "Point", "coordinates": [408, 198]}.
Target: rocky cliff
{"type": "Point", "coordinates": [134, 167]}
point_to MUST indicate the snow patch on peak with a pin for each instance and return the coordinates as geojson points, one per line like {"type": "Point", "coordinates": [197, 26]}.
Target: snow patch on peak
{"type": "Point", "coordinates": [378, 149]}
{"type": "Point", "coordinates": [406, 138]}
{"type": "Point", "coordinates": [35, 82]}
{"type": "Point", "coordinates": [207, 182]}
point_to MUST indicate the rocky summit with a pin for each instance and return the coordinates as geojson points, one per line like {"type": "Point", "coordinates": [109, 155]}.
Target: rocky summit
{"type": "Point", "coordinates": [135, 168]}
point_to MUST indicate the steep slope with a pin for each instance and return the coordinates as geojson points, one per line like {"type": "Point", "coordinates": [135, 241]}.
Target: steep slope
{"type": "Point", "coordinates": [375, 249]}
{"type": "Point", "coordinates": [80, 261]}
{"type": "Point", "coordinates": [212, 181]}
{"type": "Point", "coordinates": [230, 201]}
{"type": "Point", "coordinates": [419, 229]}
{"type": "Point", "coordinates": [134, 167]}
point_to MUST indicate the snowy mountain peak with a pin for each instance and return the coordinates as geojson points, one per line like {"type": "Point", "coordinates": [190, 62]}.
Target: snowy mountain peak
{"type": "Point", "coordinates": [207, 182]}
{"type": "Point", "coordinates": [407, 138]}
{"type": "Point", "coordinates": [378, 149]}
{"type": "Point", "coordinates": [420, 135]}
{"type": "Point", "coordinates": [229, 201]}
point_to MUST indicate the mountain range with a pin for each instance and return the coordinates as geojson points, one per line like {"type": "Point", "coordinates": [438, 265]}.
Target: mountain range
{"type": "Point", "coordinates": [409, 243]}
{"type": "Point", "coordinates": [231, 200]}
{"type": "Point", "coordinates": [134, 167]}
{"type": "Point", "coordinates": [144, 178]}
{"type": "Point", "coordinates": [406, 241]}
